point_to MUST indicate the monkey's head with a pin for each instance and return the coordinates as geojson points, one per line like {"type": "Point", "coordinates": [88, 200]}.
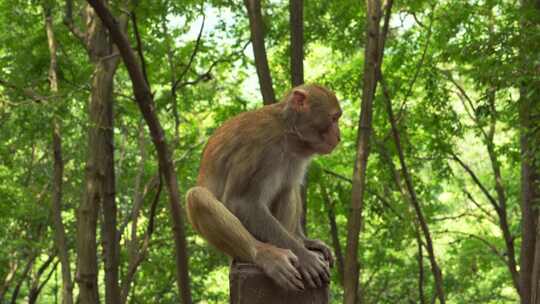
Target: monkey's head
{"type": "Point", "coordinates": [314, 114]}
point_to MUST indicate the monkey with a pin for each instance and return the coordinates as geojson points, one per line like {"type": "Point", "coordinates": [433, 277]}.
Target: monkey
{"type": "Point", "coordinates": [247, 199]}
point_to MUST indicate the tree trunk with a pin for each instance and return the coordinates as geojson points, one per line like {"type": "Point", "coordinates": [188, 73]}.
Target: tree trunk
{"type": "Point", "coordinates": [530, 195]}
{"type": "Point", "coordinates": [296, 21]}
{"type": "Point", "coordinates": [23, 276]}
{"type": "Point", "coordinates": [421, 296]}
{"type": "Point", "coordinates": [35, 285]}
{"type": "Point", "coordinates": [296, 15]}
{"type": "Point", "coordinates": [34, 294]}
{"type": "Point", "coordinates": [100, 181]}
{"type": "Point", "coordinates": [138, 200]}
{"type": "Point", "coordinates": [56, 204]}
{"type": "Point", "coordinates": [354, 223]}
{"type": "Point", "coordinates": [144, 99]}
{"type": "Point", "coordinates": [256, 26]}
{"type": "Point", "coordinates": [437, 274]}
{"type": "Point", "coordinates": [334, 233]}
{"type": "Point", "coordinates": [10, 275]}
{"type": "Point", "coordinates": [500, 189]}
{"type": "Point", "coordinates": [529, 108]}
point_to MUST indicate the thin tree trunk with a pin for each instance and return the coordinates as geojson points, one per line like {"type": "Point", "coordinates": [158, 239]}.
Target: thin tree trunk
{"type": "Point", "coordinates": [56, 204]}
{"type": "Point", "coordinates": [420, 268]}
{"type": "Point", "coordinates": [137, 255]}
{"type": "Point", "coordinates": [146, 105]}
{"type": "Point", "coordinates": [100, 181]}
{"type": "Point", "coordinates": [296, 22]}
{"type": "Point", "coordinates": [33, 296]}
{"type": "Point", "coordinates": [10, 275]}
{"type": "Point", "coordinates": [499, 204]}
{"type": "Point", "coordinates": [296, 17]}
{"type": "Point", "coordinates": [132, 244]}
{"type": "Point", "coordinates": [136, 252]}
{"type": "Point", "coordinates": [35, 285]}
{"type": "Point", "coordinates": [303, 198]}
{"type": "Point", "coordinates": [437, 274]}
{"type": "Point", "coordinates": [334, 232]}
{"type": "Point", "coordinates": [256, 26]}
{"type": "Point", "coordinates": [23, 276]}
{"type": "Point", "coordinates": [529, 215]}
{"type": "Point", "coordinates": [172, 68]}
{"type": "Point", "coordinates": [529, 108]}
{"type": "Point", "coordinates": [529, 193]}
{"type": "Point", "coordinates": [354, 223]}
{"type": "Point", "coordinates": [109, 230]}
{"type": "Point", "coordinates": [500, 189]}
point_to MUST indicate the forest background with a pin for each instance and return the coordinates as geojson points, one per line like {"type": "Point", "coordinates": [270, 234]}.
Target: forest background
{"type": "Point", "coordinates": [430, 198]}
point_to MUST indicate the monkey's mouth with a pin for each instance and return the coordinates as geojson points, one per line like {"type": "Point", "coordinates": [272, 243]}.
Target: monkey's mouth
{"type": "Point", "coordinates": [324, 148]}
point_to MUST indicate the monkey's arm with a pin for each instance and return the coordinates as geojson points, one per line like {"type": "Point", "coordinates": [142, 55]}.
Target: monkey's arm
{"type": "Point", "coordinates": [312, 244]}
{"type": "Point", "coordinates": [223, 230]}
{"type": "Point", "coordinates": [260, 222]}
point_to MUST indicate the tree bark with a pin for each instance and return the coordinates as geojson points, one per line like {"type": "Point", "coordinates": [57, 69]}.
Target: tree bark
{"type": "Point", "coordinates": [530, 170]}
{"type": "Point", "coordinates": [256, 26]}
{"type": "Point", "coordinates": [501, 193]}
{"type": "Point", "coordinates": [354, 223]}
{"type": "Point", "coordinates": [23, 276]}
{"type": "Point", "coordinates": [296, 21]}
{"type": "Point", "coordinates": [420, 269]}
{"type": "Point", "coordinates": [138, 252]}
{"type": "Point", "coordinates": [334, 232]}
{"type": "Point", "coordinates": [250, 285]}
{"type": "Point", "coordinates": [100, 180]}
{"type": "Point", "coordinates": [10, 275]}
{"type": "Point", "coordinates": [138, 200]}
{"type": "Point", "coordinates": [35, 285]}
{"type": "Point", "coordinates": [144, 99]}
{"type": "Point", "coordinates": [530, 194]}
{"type": "Point", "coordinates": [296, 18]}
{"type": "Point", "coordinates": [34, 294]}
{"type": "Point", "coordinates": [58, 170]}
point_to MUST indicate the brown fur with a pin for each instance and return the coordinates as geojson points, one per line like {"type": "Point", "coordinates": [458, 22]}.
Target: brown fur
{"type": "Point", "coordinates": [247, 202]}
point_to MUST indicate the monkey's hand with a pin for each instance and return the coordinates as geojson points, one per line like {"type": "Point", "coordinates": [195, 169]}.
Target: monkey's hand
{"type": "Point", "coordinates": [314, 268]}
{"type": "Point", "coordinates": [320, 246]}
{"type": "Point", "coordinates": [280, 265]}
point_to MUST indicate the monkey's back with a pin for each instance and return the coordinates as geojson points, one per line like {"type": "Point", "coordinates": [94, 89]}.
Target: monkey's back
{"type": "Point", "coordinates": [240, 149]}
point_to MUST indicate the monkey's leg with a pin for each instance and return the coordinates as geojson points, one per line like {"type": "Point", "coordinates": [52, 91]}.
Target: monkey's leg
{"type": "Point", "coordinates": [225, 231]}
{"type": "Point", "coordinates": [219, 226]}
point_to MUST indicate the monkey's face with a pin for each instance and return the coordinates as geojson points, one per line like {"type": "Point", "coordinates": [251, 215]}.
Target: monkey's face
{"type": "Point", "coordinates": [324, 135]}
{"type": "Point", "coordinates": [318, 119]}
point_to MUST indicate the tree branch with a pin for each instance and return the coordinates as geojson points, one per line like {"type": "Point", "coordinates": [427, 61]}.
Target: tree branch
{"type": "Point", "coordinates": [139, 45]}
{"type": "Point", "coordinates": [146, 105]}
{"type": "Point", "coordinates": [73, 28]}
{"type": "Point", "coordinates": [477, 204]}
{"type": "Point", "coordinates": [192, 57]}
{"type": "Point", "coordinates": [207, 75]}
{"type": "Point", "coordinates": [477, 181]}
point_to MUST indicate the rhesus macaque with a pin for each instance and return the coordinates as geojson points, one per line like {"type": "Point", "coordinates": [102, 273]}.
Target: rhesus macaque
{"type": "Point", "coordinates": [247, 199]}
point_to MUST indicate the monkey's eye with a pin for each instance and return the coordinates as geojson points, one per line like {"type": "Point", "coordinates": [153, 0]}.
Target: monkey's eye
{"type": "Point", "coordinates": [336, 117]}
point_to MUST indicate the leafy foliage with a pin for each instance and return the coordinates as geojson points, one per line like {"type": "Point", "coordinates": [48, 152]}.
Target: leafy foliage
{"type": "Point", "coordinates": [453, 69]}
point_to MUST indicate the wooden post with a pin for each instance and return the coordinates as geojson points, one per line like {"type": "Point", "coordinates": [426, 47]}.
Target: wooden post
{"type": "Point", "coordinates": [249, 285]}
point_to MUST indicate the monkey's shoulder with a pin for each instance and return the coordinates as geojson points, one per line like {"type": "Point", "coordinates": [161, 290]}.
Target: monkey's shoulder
{"type": "Point", "coordinates": [261, 126]}
{"type": "Point", "coordinates": [244, 140]}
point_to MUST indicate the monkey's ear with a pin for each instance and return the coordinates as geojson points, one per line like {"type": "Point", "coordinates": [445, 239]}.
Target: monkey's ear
{"type": "Point", "coordinates": [298, 100]}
